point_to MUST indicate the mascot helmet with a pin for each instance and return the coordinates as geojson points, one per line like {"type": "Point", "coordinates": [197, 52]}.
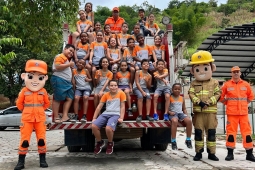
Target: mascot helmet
{"type": "Point", "coordinates": [201, 57]}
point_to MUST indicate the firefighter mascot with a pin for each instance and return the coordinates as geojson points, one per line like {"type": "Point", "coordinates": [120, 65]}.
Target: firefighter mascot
{"type": "Point", "coordinates": [204, 93]}
{"type": "Point", "coordinates": [32, 101]}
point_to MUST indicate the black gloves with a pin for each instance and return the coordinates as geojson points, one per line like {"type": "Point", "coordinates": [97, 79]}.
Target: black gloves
{"type": "Point", "coordinates": [202, 104]}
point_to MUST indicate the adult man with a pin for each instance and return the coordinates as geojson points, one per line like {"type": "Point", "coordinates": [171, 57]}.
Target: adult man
{"type": "Point", "coordinates": [115, 21]}
{"type": "Point", "coordinates": [236, 95]}
{"type": "Point", "coordinates": [204, 92]}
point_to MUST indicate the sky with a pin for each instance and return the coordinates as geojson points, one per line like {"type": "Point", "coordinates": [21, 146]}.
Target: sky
{"type": "Point", "coordinates": [161, 4]}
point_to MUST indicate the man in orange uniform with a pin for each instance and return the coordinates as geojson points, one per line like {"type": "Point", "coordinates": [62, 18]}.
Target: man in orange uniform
{"type": "Point", "coordinates": [236, 95]}
{"type": "Point", "coordinates": [115, 21]}
{"type": "Point", "coordinates": [32, 101]}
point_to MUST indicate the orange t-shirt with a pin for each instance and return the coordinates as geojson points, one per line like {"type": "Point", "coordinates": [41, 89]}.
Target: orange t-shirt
{"type": "Point", "coordinates": [85, 47]}
{"type": "Point", "coordinates": [83, 24]}
{"type": "Point", "coordinates": [142, 52]}
{"type": "Point", "coordinates": [128, 55]}
{"type": "Point", "coordinates": [158, 51]}
{"type": "Point", "coordinates": [123, 38]}
{"type": "Point", "coordinates": [123, 79]}
{"type": "Point", "coordinates": [107, 37]}
{"type": "Point", "coordinates": [60, 59]}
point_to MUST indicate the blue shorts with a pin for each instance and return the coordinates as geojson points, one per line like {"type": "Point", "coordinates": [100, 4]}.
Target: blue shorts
{"type": "Point", "coordinates": [62, 88]}
{"type": "Point", "coordinates": [140, 95]}
{"type": "Point", "coordinates": [179, 116]}
{"type": "Point", "coordinates": [98, 89]}
{"type": "Point", "coordinates": [107, 120]}
{"type": "Point", "coordinates": [82, 92]}
{"type": "Point", "coordinates": [123, 87]}
{"type": "Point", "coordinates": [165, 90]}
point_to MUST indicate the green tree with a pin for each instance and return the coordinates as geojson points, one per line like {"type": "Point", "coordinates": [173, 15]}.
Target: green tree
{"type": "Point", "coordinates": [6, 38]}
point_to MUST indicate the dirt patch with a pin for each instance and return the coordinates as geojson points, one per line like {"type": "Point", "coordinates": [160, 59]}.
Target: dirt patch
{"type": "Point", "coordinates": [4, 102]}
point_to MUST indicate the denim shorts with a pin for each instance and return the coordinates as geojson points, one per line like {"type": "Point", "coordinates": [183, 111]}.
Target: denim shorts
{"type": "Point", "coordinates": [180, 116]}
{"type": "Point", "coordinates": [107, 120]}
{"type": "Point", "coordinates": [82, 92]}
{"type": "Point", "coordinates": [165, 90]}
{"type": "Point", "coordinates": [140, 95]}
{"type": "Point", "coordinates": [123, 87]}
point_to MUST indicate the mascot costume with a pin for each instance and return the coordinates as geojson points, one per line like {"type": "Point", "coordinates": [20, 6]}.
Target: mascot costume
{"type": "Point", "coordinates": [32, 101]}
{"type": "Point", "coordinates": [204, 93]}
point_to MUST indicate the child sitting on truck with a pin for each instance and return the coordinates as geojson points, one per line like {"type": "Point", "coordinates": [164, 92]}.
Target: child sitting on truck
{"type": "Point", "coordinates": [113, 54]}
{"type": "Point", "coordinates": [135, 32]}
{"type": "Point", "coordinates": [89, 13]}
{"type": "Point", "coordinates": [158, 50]}
{"type": "Point", "coordinates": [163, 86]}
{"type": "Point", "coordinates": [102, 77]}
{"type": "Point", "coordinates": [153, 27]}
{"type": "Point", "coordinates": [114, 113]}
{"type": "Point", "coordinates": [141, 89]}
{"type": "Point", "coordinates": [177, 112]}
{"type": "Point", "coordinates": [80, 80]}
{"type": "Point", "coordinates": [123, 36]}
{"type": "Point", "coordinates": [61, 83]}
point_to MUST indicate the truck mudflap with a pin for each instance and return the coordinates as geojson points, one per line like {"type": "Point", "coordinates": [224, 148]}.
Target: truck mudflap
{"type": "Point", "coordinates": [125, 124]}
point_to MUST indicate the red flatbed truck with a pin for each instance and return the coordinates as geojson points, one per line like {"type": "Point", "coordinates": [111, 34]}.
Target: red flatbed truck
{"type": "Point", "coordinates": [78, 136]}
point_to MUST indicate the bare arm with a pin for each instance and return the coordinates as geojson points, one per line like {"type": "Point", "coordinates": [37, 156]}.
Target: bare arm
{"type": "Point", "coordinates": [98, 109]}
{"type": "Point", "coordinates": [108, 55]}
{"type": "Point", "coordinates": [148, 82]}
{"type": "Point", "coordinates": [64, 66]}
{"type": "Point", "coordinates": [78, 28]}
{"type": "Point", "coordinates": [87, 55]}
{"type": "Point", "coordinates": [184, 107]}
{"type": "Point", "coordinates": [88, 78]}
{"type": "Point", "coordinates": [122, 112]}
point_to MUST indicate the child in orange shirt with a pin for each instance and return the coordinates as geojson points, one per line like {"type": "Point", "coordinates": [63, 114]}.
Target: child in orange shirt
{"type": "Point", "coordinates": [80, 80]}
{"type": "Point", "coordinates": [97, 51]}
{"type": "Point", "coordinates": [102, 77]}
{"type": "Point", "coordinates": [141, 52]}
{"type": "Point", "coordinates": [123, 36]}
{"type": "Point", "coordinates": [141, 89]}
{"type": "Point", "coordinates": [113, 54]}
{"type": "Point", "coordinates": [158, 50]}
{"type": "Point", "coordinates": [124, 81]}
{"type": "Point", "coordinates": [128, 56]}
{"type": "Point", "coordinates": [107, 33]}
{"type": "Point", "coordinates": [153, 27]}
{"type": "Point", "coordinates": [136, 31]}
{"type": "Point", "coordinates": [89, 13]}
{"type": "Point", "coordinates": [82, 25]}
{"type": "Point", "coordinates": [97, 27]}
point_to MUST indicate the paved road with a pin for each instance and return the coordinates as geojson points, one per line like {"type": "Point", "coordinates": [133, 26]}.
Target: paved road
{"type": "Point", "coordinates": [127, 155]}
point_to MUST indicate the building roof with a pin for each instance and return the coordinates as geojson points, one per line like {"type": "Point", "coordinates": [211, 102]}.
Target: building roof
{"type": "Point", "coordinates": [233, 46]}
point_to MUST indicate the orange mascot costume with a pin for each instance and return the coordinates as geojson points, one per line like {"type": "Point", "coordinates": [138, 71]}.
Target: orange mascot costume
{"type": "Point", "coordinates": [32, 101]}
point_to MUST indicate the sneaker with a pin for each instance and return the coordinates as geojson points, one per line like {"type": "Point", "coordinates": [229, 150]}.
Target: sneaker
{"type": "Point", "coordinates": [75, 118]}
{"type": "Point", "coordinates": [84, 119]}
{"type": "Point", "coordinates": [155, 116]}
{"type": "Point", "coordinates": [139, 118]}
{"type": "Point", "coordinates": [109, 148]}
{"type": "Point", "coordinates": [189, 144]}
{"type": "Point", "coordinates": [130, 113]}
{"type": "Point", "coordinates": [99, 147]}
{"type": "Point", "coordinates": [149, 118]}
{"type": "Point", "coordinates": [174, 145]}
{"type": "Point", "coordinates": [166, 117]}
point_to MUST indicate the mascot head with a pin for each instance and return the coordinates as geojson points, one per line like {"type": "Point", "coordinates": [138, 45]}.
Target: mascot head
{"type": "Point", "coordinates": [36, 75]}
{"type": "Point", "coordinates": [202, 66]}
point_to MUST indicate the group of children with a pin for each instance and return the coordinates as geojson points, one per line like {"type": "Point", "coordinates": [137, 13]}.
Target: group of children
{"type": "Point", "coordinates": [100, 57]}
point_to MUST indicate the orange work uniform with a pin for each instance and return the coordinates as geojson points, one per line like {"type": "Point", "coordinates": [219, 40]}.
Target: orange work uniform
{"type": "Point", "coordinates": [115, 25]}
{"type": "Point", "coordinates": [236, 97]}
{"type": "Point", "coordinates": [32, 105]}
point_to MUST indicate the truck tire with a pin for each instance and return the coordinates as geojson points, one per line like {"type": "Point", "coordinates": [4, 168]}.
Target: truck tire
{"type": "Point", "coordinates": [74, 148]}
{"type": "Point", "coordinates": [90, 140]}
{"type": "Point", "coordinates": [145, 141]}
{"type": "Point", "coordinates": [161, 147]}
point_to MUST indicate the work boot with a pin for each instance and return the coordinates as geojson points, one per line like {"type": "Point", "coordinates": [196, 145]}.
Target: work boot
{"type": "Point", "coordinates": [43, 162]}
{"type": "Point", "coordinates": [21, 162]}
{"type": "Point", "coordinates": [230, 155]}
{"type": "Point", "coordinates": [198, 156]}
{"type": "Point", "coordinates": [250, 156]}
{"type": "Point", "coordinates": [213, 157]}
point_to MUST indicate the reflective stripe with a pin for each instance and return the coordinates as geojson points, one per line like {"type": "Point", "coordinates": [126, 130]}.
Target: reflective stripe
{"type": "Point", "coordinates": [41, 92]}
{"type": "Point", "coordinates": [216, 89]}
{"type": "Point", "coordinates": [192, 90]}
{"type": "Point", "coordinates": [27, 93]}
{"type": "Point", "coordinates": [195, 99]}
{"type": "Point", "coordinates": [210, 144]}
{"type": "Point", "coordinates": [235, 98]}
{"type": "Point", "coordinates": [208, 110]}
{"type": "Point", "coordinates": [32, 105]}
{"type": "Point", "coordinates": [199, 143]}
{"type": "Point", "coordinates": [213, 99]}
{"type": "Point", "coordinates": [202, 92]}
{"type": "Point", "coordinates": [25, 151]}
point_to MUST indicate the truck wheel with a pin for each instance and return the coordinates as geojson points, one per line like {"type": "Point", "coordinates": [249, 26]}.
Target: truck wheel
{"type": "Point", "coordinates": [90, 141]}
{"type": "Point", "coordinates": [74, 148]}
{"type": "Point", "coordinates": [2, 128]}
{"type": "Point", "coordinates": [145, 141]}
{"type": "Point", "coordinates": [161, 147]}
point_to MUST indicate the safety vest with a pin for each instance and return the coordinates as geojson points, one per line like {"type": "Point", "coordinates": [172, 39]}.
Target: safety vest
{"type": "Point", "coordinates": [33, 105]}
{"type": "Point", "coordinates": [207, 92]}
{"type": "Point", "coordinates": [115, 25]}
{"type": "Point", "coordinates": [236, 96]}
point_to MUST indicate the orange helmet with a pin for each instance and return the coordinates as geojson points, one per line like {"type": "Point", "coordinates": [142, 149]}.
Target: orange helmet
{"type": "Point", "coordinates": [36, 65]}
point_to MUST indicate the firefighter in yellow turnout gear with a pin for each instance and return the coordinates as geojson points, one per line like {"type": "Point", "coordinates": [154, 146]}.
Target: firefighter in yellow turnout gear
{"type": "Point", "coordinates": [204, 93]}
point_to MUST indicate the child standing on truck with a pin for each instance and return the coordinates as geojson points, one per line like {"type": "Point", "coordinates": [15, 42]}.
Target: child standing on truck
{"type": "Point", "coordinates": [113, 54]}
{"type": "Point", "coordinates": [158, 50]}
{"type": "Point", "coordinates": [141, 89]}
{"type": "Point", "coordinates": [82, 25]}
{"type": "Point", "coordinates": [102, 77]}
{"type": "Point", "coordinates": [128, 56]}
{"type": "Point", "coordinates": [61, 83]}
{"type": "Point", "coordinates": [80, 80]}
{"type": "Point", "coordinates": [123, 36]}
{"type": "Point", "coordinates": [124, 81]}
{"type": "Point", "coordinates": [89, 13]}
{"type": "Point", "coordinates": [114, 113]}
{"type": "Point", "coordinates": [177, 112]}
{"type": "Point", "coordinates": [141, 52]}
{"type": "Point", "coordinates": [163, 86]}
{"type": "Point", "coordinates": [97, 51]}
